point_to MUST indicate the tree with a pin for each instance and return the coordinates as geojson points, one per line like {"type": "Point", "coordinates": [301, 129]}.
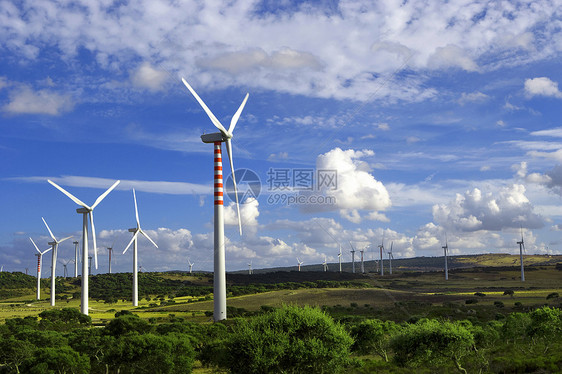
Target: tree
{"type": "Point", "coordinates": [57, 360]}
{"type": "Point", "coordinates": [432, 342]}
{"type": "Point", "coordinates": [373, 335]}
{"type": "Point", "coordinates": [14, 352]}
{"type": "Point", "coordinates": [287, 340]}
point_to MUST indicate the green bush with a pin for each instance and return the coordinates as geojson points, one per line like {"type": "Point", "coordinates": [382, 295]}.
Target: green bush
{"type": "Point", "coordinates": [286, 340]}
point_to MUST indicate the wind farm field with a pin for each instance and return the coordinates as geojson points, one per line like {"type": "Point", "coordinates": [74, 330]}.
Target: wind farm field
{"type": "Point", "coordinates": [475, 283]}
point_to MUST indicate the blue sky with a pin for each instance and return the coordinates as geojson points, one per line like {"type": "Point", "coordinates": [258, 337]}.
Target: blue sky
{"type": "Point", "coordinates": [440, 120]}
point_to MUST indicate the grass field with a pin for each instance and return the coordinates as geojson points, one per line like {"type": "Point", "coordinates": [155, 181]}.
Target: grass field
{"type": "Point", "coordinates": [406, 291]}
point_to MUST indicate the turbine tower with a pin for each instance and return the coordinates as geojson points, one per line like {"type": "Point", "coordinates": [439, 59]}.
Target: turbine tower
{"type": "Point", "coordinates": [39, 262]}
{"type": "Point", "coordinates": [390, 257]}
{"type": "Point", "coordinates": [55, 246]}
{"type": "Point", "coordinates": [64, 265]}
{"type": "Point", "coordinates": [190, 265]}
{"type": "Point", "coordinates": [136, 232]}
{"type": "Point", "coordinates": [86, 211]}
{"type": "Point", "coordinates": [300, 263]}
{"type": "Point", "coordinates": [75, 258]}
{"type": "Point", "coordinates": [381, 248]}
{"type": "Point", "coordinates": [445, 253]}
{"type": "Point", "coordinates": [521, 249]}
{"type": "Point", "coordinates": [352, 258]}
{"type": "Point", "coordinates": [110, 251]}
{"type": "Point", "coordinates": [339, 257]}
{"type": "Point", "coordinates": [250, 272]}
{"type": "Point", "coordinates": [224, 136]}
{"type": "Point", "coordinates": [325, 264]}
{"type": "Point", "coordinates": [362, 263]}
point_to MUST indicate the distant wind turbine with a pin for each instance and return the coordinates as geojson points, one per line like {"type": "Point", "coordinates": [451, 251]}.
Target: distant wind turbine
{"type": "Point", "coordinates": [54, 245]}
{"type": "Point", "coordinates": [110, 252]}
{"type": "Point", "coordinates": [445, 253]}
{"type": "Point", "coordinates": [39, 262]}
{"type": "Point", "coordinates": [190, 265]}
{"type": "Point", "coordinates": [86, 211]}
{"type": "Point", "coordinates": [521, 249]}
{"type": "Point", "coordinates": [390, 257]}
{"type": "Point", "coordinates": [381, 248]}
{"type": "Point", "coordinates": [250, 272]}
{"type": "Point", "coordinates": [136, 232]}
{"type": "Point", "coordinates": [352, 258]}
{"type": "Point", "coordinates": [300, 263]}
{"type": "Point", "coordinates": [325, 264]}
{"type": "Point", "coordinates": [75, 258]}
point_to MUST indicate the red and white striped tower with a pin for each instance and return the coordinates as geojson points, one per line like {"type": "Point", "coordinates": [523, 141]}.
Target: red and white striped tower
{"type": "Point", "coordinates": [219, 284]}
{"type": "Point", "coordinates": [39, 256]}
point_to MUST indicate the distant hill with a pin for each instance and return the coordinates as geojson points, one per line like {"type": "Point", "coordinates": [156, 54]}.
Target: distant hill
{"type": "Point", "coordinates": [425, 263]}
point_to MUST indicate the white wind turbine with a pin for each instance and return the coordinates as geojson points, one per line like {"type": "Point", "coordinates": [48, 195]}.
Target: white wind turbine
{"type": "Point", "coordinates": [55, 246]}
{"type": "Point", "coordinates": [352, 258]}
{"type": "Point", "coordinates": [390, 258]}
{"type": "Point", "coordinates": [75, 258]}
{"type": "Point", "coordinates": [325, 264]}
{"type": "Point", "coordinates": [39, 262]}
{"type": "Point", "coordinates": [445, 253]}
{"type": "Point", "coordinates": [300, 263]}
{"type": "Point", "coordinates": [362, 251]}
{"type": "Point", "coordinates": [381, 248]}
{"type": "Point", "coordinates": [521, 249]}
{"type": "Point", "coordinates": [224, 136]}
{"type": "Point", "coordinates": [250, 271]}
{"type": "Point", "coordinates": [190, 265]}
{"type": "Point", "coordinates": [110, 252]}
{"type": "Point", "coordinates": [136, 232]}
{"type": "Point", "coordinates": [86, 211]}
{"type": "Point", "coordinates": [64, 265]}
{"type": "Point", "coordinates": [331, 236]}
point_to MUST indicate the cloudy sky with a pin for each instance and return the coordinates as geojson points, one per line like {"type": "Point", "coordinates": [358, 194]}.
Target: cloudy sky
{"type": "Point", "coordinates": [407, 121]}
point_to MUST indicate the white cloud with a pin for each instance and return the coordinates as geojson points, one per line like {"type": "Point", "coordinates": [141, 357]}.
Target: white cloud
{"type": "Point", "coordinates": [555, 132]}
{"type": "Point", "coordinates": [24, 100]}
{"type": "Point", "coordinates": [356, 189]}
{"type": "Point", "coordinates": [476, 210]}
{"type": "Point", "coordinates": [249, 213]}
{"type": "Point", "coordinates": [473, 97]}
{"type": "Point", "coordinates": [146, 76]}
{"type": "Point", "coordinates": [452, 56]}
{"type": "Point", "coordinates": [542, 86]}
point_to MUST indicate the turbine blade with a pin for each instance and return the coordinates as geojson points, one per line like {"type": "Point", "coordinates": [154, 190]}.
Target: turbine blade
{"type": "Point", "coordinates": [50, 232]}
{"type": "Point", "coordinates": [62, 240]}
{"type": "Point", "coordinates": [131, 242]}
{"type": "Point", "coordinates": [236, 115]}
{"type": "Point", "coordinates": [103, 195]}
{"type": "Point", "coordinates": [214, 119]}
{"type": "Point", "coordinates": [136, 208]}
{"type": "Point", "coordinates": [229, 151]}
{"type": "Point", "coordinates": [91, 213]}
{"type": "Point", "coordinates": [148, 237]}
{"type": "Point", "coordinates": [70, 196]}
{"type": "Point", "coordinates": [46, 250]}
{"type": "Point", "coordinates": [35, 245]}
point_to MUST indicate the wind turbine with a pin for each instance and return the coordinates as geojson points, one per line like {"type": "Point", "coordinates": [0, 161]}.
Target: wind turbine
{"type": "Point", "coordinates": [190, 265]}
{"type": "Point", "coordinates": [250, 268]}
{"type": "Point", "coordinates": [300, 263]}
{"type": "Point", "coordinates": [55, 246]}
{"type": "Point", "coordinates": [445, 253]}
{"type": "Point", "coordinates": [75, 258]}
{"type": "Point", "coordinates": [331, 236]}
{"type": "Point", "coordinates": [362, 263]}
{"type": "Point", "coordinates": [325, 264]}
{"type": "Point", "coordinates": [390, 257]}
{"type": "Point", "coordinates": [110, 251]}
{"type": "Point", "coordinates": [339, 257]}
{"type": "Point", "coordinates": [86, 211]}
{"type": "Point", "coordinates": [219, 271]}
{"type": "Point", "coordinates": [352, 258]}
{"type": "Point", "coordinates": [39, 262]}
{"type": "Point", "coordinates": [521, 249]}
{"type": "Point", "coordinates": [64, 265]}
{"type": "Point", "coordinates": [136, 231]}
{"type": "Point", "coordinates": [381, 248]}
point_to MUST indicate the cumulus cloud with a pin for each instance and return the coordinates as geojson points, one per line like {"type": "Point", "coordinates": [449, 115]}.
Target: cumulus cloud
{"type": "Point", "coordinates": [24, 100]}
{"type": "Point", "coordinates": [355, 189]}
{"type": "Point", "coordinates": [542, 86]}
{"type": "Point", "coordinates": [452, 56]}
{"type": "Point", "coordinates": [244, 61]}
{"type": "Point", "coordinates": [146, 76]}
{"type": "Point", "coordinates": [476, 210]}
{"type": "Point", "coordinates": [249, 212]}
